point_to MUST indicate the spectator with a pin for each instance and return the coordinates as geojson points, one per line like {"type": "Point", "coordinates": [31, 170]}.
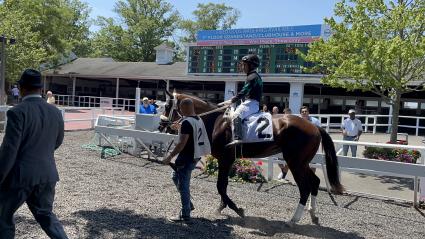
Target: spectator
{"type": "Point", "coordinates": [146, 107]}
{"type": "Point", "coordinates": [265, 109]}
{"type": "Point", "coordinates": [28, 171]}
{"type": "Point", "coordinates": [15, 94]}
{"type": "Point", "coordinates": [305, 114]}
{"type": "Point", "coordinates": [275, 110]}
{"type": "Point", "coordinates": [287, 111]}
{"type": "Point", "coordinates": [193, 144]}
{"type": "Point", "coordinates": [351, 131]}
{"type": "Point", "coordinates": [50, 98]}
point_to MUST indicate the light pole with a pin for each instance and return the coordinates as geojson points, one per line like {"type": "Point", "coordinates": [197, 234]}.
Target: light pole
{"type": "Point", "coordinates": [3, 40]}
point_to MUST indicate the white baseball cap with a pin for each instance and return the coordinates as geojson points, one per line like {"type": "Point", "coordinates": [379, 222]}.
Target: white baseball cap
{"type": "Point", "coordinates": [145, 98]}
{"type": "Point", "coordinates": [351, 111]}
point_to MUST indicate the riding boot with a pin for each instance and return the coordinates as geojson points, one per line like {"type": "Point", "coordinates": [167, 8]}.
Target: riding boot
{"type": "Point", "coordinates": [237, 132]}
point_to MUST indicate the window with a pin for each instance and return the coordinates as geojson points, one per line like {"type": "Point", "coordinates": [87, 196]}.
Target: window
{"type": "Point", "coordinates": [350, 102]}
{"type": "Point", "coordinates": [372, 103]}
{"type": "Point", "coordinates": [410, 105]}
{"type": "Point", "coordinates": [306, 100]}
{"type": "Point", "coordinates": [317, 100]}
{"type": "Point", "coordinates": [384, 104]}
{"type": "Point", "coordinates": [276, 99]}
{"type": "Point", "coordinates": [336, 101]}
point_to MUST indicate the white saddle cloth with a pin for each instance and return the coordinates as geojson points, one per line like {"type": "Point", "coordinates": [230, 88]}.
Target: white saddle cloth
{"type": "Point", "coordinates": [258, 128]}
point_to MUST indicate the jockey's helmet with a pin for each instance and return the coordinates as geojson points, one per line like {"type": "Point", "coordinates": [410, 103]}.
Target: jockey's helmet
{"type": "Point", "coordinates": [252, 59]}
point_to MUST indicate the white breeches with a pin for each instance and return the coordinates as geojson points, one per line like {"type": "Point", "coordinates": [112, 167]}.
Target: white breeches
{"type": "Point", "coordinates": [247, 108]}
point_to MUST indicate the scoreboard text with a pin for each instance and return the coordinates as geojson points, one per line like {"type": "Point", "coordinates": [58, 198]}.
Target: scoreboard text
{"type": "Point", "coordinates": [274, 58]}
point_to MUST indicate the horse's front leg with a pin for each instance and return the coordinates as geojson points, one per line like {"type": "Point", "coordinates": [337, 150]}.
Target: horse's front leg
{"type": "Point", "coordinates": [222, 182]}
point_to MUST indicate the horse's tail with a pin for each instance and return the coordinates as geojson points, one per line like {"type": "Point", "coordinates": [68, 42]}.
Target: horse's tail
{"type": "Point", "coordinates": [331, 162]}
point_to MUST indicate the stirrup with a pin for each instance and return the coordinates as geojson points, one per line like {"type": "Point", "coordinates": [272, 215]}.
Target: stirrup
{"type": "Point", "coordinates": [234, 142]}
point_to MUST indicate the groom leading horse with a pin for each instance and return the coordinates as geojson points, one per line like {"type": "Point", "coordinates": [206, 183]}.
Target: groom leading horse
{"type": "Point", "coordinates": [297, 139]}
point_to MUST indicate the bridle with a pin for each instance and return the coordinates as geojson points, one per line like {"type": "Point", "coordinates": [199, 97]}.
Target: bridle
{"type": "Point", "coordinates": [175, 109]}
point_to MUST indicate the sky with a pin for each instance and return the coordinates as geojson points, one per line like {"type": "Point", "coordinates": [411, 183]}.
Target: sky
{"type": "Point", "coordinates": [254, 13]}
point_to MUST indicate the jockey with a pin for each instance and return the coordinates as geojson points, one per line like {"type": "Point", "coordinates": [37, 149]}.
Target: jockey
{"type": "Point", "coordinates": [250, 95]}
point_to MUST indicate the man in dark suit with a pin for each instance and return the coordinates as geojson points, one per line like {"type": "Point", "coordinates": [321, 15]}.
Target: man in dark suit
{"type": "Point", "coordinates": [35, 129]}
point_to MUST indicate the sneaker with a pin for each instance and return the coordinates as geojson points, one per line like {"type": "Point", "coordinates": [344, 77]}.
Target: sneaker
{"type": "Point", "coordinates": [179, 218]}
{"type": "Point", "coordinates": [281, 176]}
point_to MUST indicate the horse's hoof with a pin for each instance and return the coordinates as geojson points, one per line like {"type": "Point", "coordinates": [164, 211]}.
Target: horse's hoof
{"type": "Point", "coordinates": [315, 220]}
{"type": "Point", "coordinates": [290, 224]}
{"type": "Point", "coordinates": [241, 212]}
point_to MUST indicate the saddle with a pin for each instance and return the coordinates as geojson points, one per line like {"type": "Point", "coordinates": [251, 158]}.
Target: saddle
{"type": "Point", "coordinates": [257, 127]}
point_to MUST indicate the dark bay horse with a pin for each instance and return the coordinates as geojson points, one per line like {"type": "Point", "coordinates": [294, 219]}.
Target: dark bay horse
{"type": "Point", "coordinates": [297, 139]}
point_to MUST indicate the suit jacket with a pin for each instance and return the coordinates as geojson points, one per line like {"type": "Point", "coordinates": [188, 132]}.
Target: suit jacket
{"type": "Point", "coordinates": [35, 129]}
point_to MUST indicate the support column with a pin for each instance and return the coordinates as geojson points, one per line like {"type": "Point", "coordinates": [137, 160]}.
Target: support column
{"type": "Point", "coordinates": [168, 85]}
{"type": "Point", "coordinates": [74, 83]}
{"type": "Point", "coordinates": [231, 89]}
{"type": "Point", "coordinates": [117, 89]}
{"type": "Point", "coordinates": [137, 103]}
{"type": "Point", "coordinates": [296, 95]}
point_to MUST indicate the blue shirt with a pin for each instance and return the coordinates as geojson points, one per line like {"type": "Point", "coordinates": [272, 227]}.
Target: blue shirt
{"type": "Point", "coordinates": [148, 110]}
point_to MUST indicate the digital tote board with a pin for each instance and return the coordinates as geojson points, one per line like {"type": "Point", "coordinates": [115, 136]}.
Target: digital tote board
{"type": "Point", "coordinates": [220, 51]}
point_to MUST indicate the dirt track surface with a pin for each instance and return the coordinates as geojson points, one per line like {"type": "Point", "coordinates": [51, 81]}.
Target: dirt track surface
{"type": "Point", "coordinates": [126, 197]}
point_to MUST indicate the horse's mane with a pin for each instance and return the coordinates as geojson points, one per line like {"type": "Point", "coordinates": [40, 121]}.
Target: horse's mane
{"type": "Point", "coordinates": [196, 98]}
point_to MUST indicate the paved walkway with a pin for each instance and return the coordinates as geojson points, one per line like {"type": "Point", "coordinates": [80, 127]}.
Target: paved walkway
{"type": "Point", "coordinates": [396, 187]}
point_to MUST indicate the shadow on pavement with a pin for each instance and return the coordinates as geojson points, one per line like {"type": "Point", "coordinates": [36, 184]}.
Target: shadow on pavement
{"type": "Point", "coordinates": [399, 184]}
{"type": "Point", "coordinates": [269, 228]}
{"type": "Point", "coordinates": [123, 223]}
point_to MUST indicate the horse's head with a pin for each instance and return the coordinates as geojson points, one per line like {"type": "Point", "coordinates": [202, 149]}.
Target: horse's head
{"type": "Point", "coordinates": [172, 111]}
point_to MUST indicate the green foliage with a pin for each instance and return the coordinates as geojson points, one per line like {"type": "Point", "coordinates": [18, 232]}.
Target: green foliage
{"type": "Point", "coordinates": [209, 16]}
{"type": "Point", "coordinates": [45, 31]}
{"type": "Point", "coordinates": [377, 46]}
{"type": "Point", "coordinates": [143, 25]}
{"type": "Point", "coordinates": [243, 170]}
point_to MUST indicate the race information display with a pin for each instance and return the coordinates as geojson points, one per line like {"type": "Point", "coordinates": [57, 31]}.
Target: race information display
{"type": "Point", "coordinates": [276, 58]}
{"type": "Point", "coordinates": [279, 48]}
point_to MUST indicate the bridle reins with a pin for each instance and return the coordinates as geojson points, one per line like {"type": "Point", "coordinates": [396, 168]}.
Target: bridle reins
{"type": "Point", "coordinates": [175, 108]}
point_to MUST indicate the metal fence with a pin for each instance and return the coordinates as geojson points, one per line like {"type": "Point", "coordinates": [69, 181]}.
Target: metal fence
{"type": "Point", "coordinates": [96, 102]}
{"type": "Point", "coordinates": [369, 166]}
{"type": "Point", "coordinates": [372, 122]}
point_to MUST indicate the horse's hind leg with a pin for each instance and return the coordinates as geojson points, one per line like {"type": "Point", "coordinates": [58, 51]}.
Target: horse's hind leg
{"type": "Point", "coordinates": [222, 182]}
{"type": "Point", "coordinates": [315, 182]}
{"type": "Point", "coordinates": [301, 176]}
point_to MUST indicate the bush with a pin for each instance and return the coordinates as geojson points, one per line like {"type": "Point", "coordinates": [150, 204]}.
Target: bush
{"type": "Point", "coordinates": [243, 170]}
{"type": "Point", "coordinates": [398, 155]}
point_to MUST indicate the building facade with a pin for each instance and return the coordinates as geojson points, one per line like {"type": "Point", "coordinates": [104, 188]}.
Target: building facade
{"type": "Point", "coordinates": [211, 72]}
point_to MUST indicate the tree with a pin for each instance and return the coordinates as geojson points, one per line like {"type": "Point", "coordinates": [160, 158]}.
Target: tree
{"type": "Point", "coordinates": [209, 16]}
{"type": "Point", "coordinates": [46, 31]}
{"type": "Point", "coordinates": [28, 52]}
{"type": "Point", "coordinates": [143, 25]}
{"type": "Point", "coordinates": [377, 46]}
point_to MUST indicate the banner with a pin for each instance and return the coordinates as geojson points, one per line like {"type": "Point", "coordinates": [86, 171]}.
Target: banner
{"type": "Point", "coordinates": [272, 35]}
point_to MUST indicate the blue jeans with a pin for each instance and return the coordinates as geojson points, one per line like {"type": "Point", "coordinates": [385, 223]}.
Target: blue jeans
{"type": "Point", "coordinates": [353, 147]}
{"type": "Point", "coordinates": [181, 179]}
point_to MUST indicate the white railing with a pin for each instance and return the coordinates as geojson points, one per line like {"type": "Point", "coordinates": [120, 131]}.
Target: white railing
{"type": "Point", "coordinates": [368, 166]}
{"type": "Point", "coordinates": [94, 101]}
{"type": "Point", "coordinates": [370, 122]}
